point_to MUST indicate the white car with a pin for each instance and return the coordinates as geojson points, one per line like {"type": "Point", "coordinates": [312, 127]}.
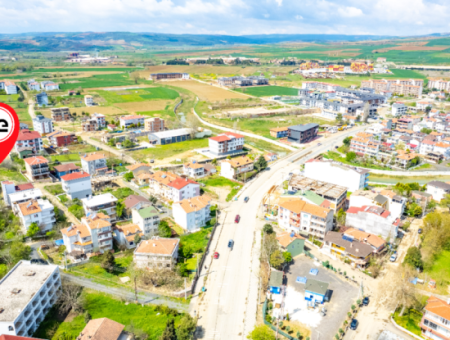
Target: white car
{"type": "Point", "coordinates": [393, 258]}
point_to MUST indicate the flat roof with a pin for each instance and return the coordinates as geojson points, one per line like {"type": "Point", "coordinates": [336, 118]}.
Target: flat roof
{"type": "Point", "coordinates": [171, 133]}
{"type": "Point", "coordinates": [98, 200]}
{"type": "Point", "coordinates": [20, 285]}
{"type": "Point", "coordinates": [303, 127]}
{"type": "Point", "coordinates": [25, 195]}
{"type": "Point", "coordinates": [316, 286]}
{"type": "Point", "coordinates": [319, 187]}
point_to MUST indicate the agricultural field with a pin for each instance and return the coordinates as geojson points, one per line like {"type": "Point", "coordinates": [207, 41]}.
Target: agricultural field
{"type": "Point", "coordinates": [206, 92]}
{"type": "Point", "coordinates": [267, 91]}
{"type": "Point", "coordinates": [137, 95]}
{"type": "Point", "coordinates": [102, 80]}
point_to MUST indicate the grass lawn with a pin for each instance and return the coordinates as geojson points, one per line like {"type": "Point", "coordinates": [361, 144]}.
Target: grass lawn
{"type": "Point", "coordinates": [120, 193]}
{"type": "Point", "coordinates": [423, 166]}
{"type": "Point", "coordinates": [441, 268]}
{"type": "Point", "coordinates": [86, 69]}
{"type": "Point", "coordinates": [337, 157]}
{"type": "Point", "coordinates": [164, 114]}
{"type": "Point", "coordinates": [100, 80]}
{"type": "Point", "coordinates": [24, 116]}
{"type": "Point", "coordinates": [145, 318]}
{"type": "Point", "coordinates": [54, 189]}
{"type": "Point", "coordinates": [198, 241]}
{"type": "Point", "coordinates": [192, 263]}
{"type": "Point", "coordinates": [166, 151]}
{"type": "Point", "coordinates": [83, 148]}
{"type": "Point", "coordinates": [138, 95]}
{"type": "Point", "coordinates": [7, 174]}
{"type": "Point", "coordinates": [409, 320]}
{"type": "Point", "coordinates": [66, 158]}
{"type": "Point", "coordinates": [217, 181]}
{"type": "Point", "coordinates": [266, 91]}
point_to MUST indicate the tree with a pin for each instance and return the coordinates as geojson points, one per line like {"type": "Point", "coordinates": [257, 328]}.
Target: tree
{"type": "Point", "coordinates": [261, 163]}
{"type": "Point", "coordinates": [186, 327]}
{"type": "Point", "coordinates": [426, 130]}
{"type": "Point", "coordinates": [120, 207]}
{"type": "Point", "coordinates": [350, 157]}
{"type": "Point", "coordinates": [164, 229]}
{"type": "Point", "coordinates": [169, 331]}
{"type": "Point", "coordinates": [69, 298]}
{"type": "Point", "coordinates": [182, 270]}
{"type": "Point", "coordinates": [33, 229]}
{"type": "Point", "coordinates": [413, 258]}
{"type": "Point", "coordinates": [213, 221]}
{"type": "Point", "coordinates": [137, 239]}
{"type": "Point", "coordinates": [277, 259]}
{"type": "Point", "coordinates": [108, 261]}
{"type": "Point", "coordinates": [341, 216]}
{"type": "Point", "coordinates": [19, 251]}
{"type": "Point", "coordinates": [127, 143]}
{"type": "Point", "coordinates": [347, 141]}
{"type": "Point", "coordinates": [339, 117]}
{"type": "Point", "coordinates": [268, 229]}
{"type": "Point", "coordinates": [135, 76]}
{"type": "Point", "coordinates": [261, 332]}
{"type": "Point", "coordinates": [128, 176]}
{"type": "Point", "coordinates": [287, 257]}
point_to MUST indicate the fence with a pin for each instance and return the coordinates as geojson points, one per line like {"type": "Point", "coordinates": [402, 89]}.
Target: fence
{"type": "Point", "coordinates": [272, 326]}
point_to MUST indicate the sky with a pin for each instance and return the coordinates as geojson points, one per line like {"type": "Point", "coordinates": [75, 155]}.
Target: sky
{"type": "Point", "coordinates": [228, 17]}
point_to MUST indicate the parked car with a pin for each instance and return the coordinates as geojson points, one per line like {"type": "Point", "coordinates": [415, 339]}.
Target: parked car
{"type": "Point", "coordinates": [230, 243]}
{"type": "Point", "coordinates": [336, 147]}
{"type": "Point", "coordinates": [354, 324]}
{"type": "Point", "coordinates": [216, 255]}
{"type": "Point", "coordinates": [237, 219]}
{"type": "Point", "coordinates": [366, 301]}
{"type": "Point", "coordinates": [44, 246]}
{"type": "Point", "coordinates": [393, 258]}
{"type": "Point", "coordinates": [319, 144]}
{"type": "Point", "coordinates": [420, 231]}
{"type": "Point", "coordinates": [246, 199]}
{"type": "Point", "coordinates": [152, 161]}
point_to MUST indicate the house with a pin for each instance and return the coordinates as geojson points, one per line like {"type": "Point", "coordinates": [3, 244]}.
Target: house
{"type": "Point", "coordinates": [405, 123]}
{"type": "Point", "coordinates": [426, 147]}
{"type": "Point", "coordinates": [8, 86]}
{"type": "Point", "coordinates": [193, 213]}
{"type": "Point", "coordinates": [111, 127]}
{"type": "Point", "coordinates": [275, 281]}
{"type": "Point", "coordinates": [360, 198]}
{"type": "Point", "coordinates": [377, 243]}
{"type": "Point", "coordinates": [147, 218]}
{"type": "Point", "coordinates": [438, 189]}
{"type": "Point", "coordinates": [28, 143]}
{"type": "Point", "coordinates": [210, 169]}
{"type": "Point", "coordinates": [396, 203]}
{"type": "Point", "coordinates": [154, 124]}
{"type": "Point", "coordinates": [279, 132]}
{"type": "Point", "coordinates": [94, 163]}
{"type": "Point", "coordinates": [131, 120]}
{"type": "Point", "coordinates": [443, 149]}
{"type": "Point", "coordinates": [421, 198]}
{"type": "Point", "coordinates": [103, 329]}
{"type": "Point", "coordinates": [88, 100]}
{"type": "Point", "coordinates": [291, 242]}
{"type": "Point", "coordinates": [194, 169]}
{"type": "Point", "coordinates": [9, 187]}
{"type": "Point", "coordinates": [23, 126]}
{"type": "Point", "coordinates": [139, 168]}
{"type": "Point", "coordinates": [37, 167]}
{"type": "Point", "coordinates": [399, 109]}
{"type": "Point", "coordinates": [42, 125]}
{"type": "Point", "coordinates": [135, 202]}
{"type": "Point", "coordinates": [304, 218]}
{"type": "Point", "coordinates": [169, 76]}
{"type": "Point", "coordinates": [436, 319]}
{"type": "Point", "coordinates": [406, 160]}
{"type": "Point", "coordinates": [33, 85]}
{"type": "Point", "coordinates": [23, 196]}
{"type": "Point", "coordinates": [99, 119]}
{"type": "Point", "coordinates": [302, 133]}
{"type": "Point", "coordinates": [346, 248]}
{"type": "Point", "coordinates": [27, 293]}
{"type": "Point", "coordinates": [226, 143]}
{"type": "Point", "coordinates": [125, 235]}
{"type": "Point", "coordinates": [350, 177]}
{"type": "Point", "coordinates": [38, 211]}
{"type": "Point", "coordinates": [172, 187]}
{"type": "Point", "coordinates": [170, 136]}
{"type": "Point", "coordinates": [157, 253]}
{"type": "Point", "coordinates": [63, 139]}
{"type": "Point", "coordinates": [65, 169]}
{"type": "Point", "coordinates": [92, 235]}
{"type": "Point", "coordinates": [49, 86]}
{"type": "Point", "coordinates": [316, 291]}
{"type": "Point", "coordinates": [373, 220]}
{"type": "Point", "coordinates": [41, 99]}
{"type": "Point", "coordinates": [89, 125]}
{"type": "Point", "coordinates": [270, 157]}
{"type": "Point", "coordinates": [77, 185]}
{"type": "Point", "coordinates": [236, 168]}
{"type": "Point", "coordinates": [365, 146]}
{"type": "Point", "coordinates": [61, 114]}
{"type": "Point", "coordinates": [106, 202]}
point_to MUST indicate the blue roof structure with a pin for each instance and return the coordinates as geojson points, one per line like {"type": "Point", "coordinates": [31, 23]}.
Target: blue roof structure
{"type": "Point", "coordinates": [301, 279]}
{"type": "Point", "coordinates": [59, 242]}
{"type": "Point", "coordinates": [314, 271]}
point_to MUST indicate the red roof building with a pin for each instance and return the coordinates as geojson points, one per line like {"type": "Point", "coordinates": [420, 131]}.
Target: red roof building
{"type": "Point", "coordinates": [226, 143]}
{"type": "Point", "coordinates": [75, 175]}
{"type": "Point", "coordinates": [374, 220]}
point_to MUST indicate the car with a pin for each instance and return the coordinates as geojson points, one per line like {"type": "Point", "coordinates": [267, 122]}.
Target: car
{"type": "Point", "coordinates": [336, 147]}
{"type": "Point", "coordinates": [216, 255]}
{"type": "Point", "coordinates": [366, 301]}
{"type": "Point", "coordinates": [152, 161]}
{"type": "Point", "coordinates": [236, 220]}
{"type": "Point", "coordinates": [354, 324]}
{"type": "Point", "coordinates": [393, 258]}
{"type": "Point", "coordinates": [419, 231]}
{"type": "Point", "coordinates": [246, 199]}
{"type": "Point", "coordinates": [319, 144]}
{"type": "Point", "coordinates": [230, 243]}
{"type": "Point", "coordinates": [56, 162]}
{"type": "Point", "coordinates": [44, 246]}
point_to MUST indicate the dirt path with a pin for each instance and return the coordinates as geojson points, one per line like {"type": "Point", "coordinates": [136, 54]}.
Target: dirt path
{"type": "Point", "coordinates": [30, 104]}
{"type": "Point", "coordinates": [55, 201]}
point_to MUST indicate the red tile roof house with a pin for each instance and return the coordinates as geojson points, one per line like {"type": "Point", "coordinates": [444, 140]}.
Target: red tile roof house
{"type": "Point", "coordinates": [374, 220]}
{"type": "Point", "coordinates": [30, 141]}
{"type": "Point", "coordinates": [103, 329]}
{"type": "Point", "coordinates": [226, 143]}
{"type": "Point", "coordinates": [37, 167]}
{"type": "Point", "coordinates": [135, 202]}
{"type": "Point", "coordinates": [77, 185]}
{"type": "Point", "coordinates": [172, 187]}
{"type": "Point", "coordinates": [435, 323]}
{"type": "Point", "coordinates": [9, 187]}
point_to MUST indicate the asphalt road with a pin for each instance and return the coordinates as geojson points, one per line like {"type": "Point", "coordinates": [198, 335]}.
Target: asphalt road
{"type": "Point", "coordinates": [228, 308]}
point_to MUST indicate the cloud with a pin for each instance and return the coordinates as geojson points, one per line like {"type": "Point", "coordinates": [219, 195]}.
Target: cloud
{"type": "Point", "coordinates": [298, 17]}
{"type": "Point", "coordinates": [279, 2]}
{"type": "Point", "coordinates": [350, 12]}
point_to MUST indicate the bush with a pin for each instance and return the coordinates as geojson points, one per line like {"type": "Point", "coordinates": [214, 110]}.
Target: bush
{"type": "Point", "coordinates": [268, 229]}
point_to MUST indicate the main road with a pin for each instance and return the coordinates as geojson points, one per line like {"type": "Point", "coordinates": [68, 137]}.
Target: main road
{"type": "Point", "coordinates": [227, 310]}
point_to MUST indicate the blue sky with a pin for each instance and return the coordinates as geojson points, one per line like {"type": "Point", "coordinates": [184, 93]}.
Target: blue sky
{"type": "Point", "coordinates": [234, 17]}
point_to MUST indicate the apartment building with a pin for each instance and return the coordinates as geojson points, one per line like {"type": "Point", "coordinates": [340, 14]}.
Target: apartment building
{"type": "Point", "coordinates": [373, 220]}
{"type": "Point", "coordinates": [27, 294]}
{"type": "Point", "coordinates": [37, 167]}
{"type": "Point", "coordinates": [77, 185]}
{"type": "Point", "coordinates": [226, 143]}
{"type": "Point", "coordinates": [302, 133]}
{"type": "Point", "coordinates": [346, 248]}
{"type": "Point", "coordinates": [193, 213]}
{"type": "Point", "coordinates": [23, 196]}
{"type": "Point", "coordinates": [172, 187]}
{"type": "Point", "coordinates": [365, 146]}
{"type": "Point", "coordinates": [305, 219]}
{"type": "Point", "coordinates": [406, 160]}
{"type": "Point", "coordinates": [435, 323]}
{"type": "Point", "coordinates": [194, 169]}
{"type": "Point", "coordinates": [33, 85]}
{"type": "Point", "coordinates": [236, 168]}
{"type": "Point", "coordinates": [438, 189]}
{"type": "Point", "coordinates": [125, 235]}
{"type": "Point", "coordinates": [9, 187]}
{"type": "Point", "coordinates": [49, 86]}
{"type": "Point", "coordinates": [154, 124]}
{"type": "Point", "coordinates": [407, 87]}
{"type": "Point", "coordinates": [242, 81]}
{"type": "Point", "coordinates": [443, 149]}
{"type": "Point", "coordinates": [316, 85]}
{"type": "Point", "coordinates": [170, 136]}
{"type": "Point", "coordinates": [93, 234]}
{"type": "Point", "coordinates": [88, 100]}
{"type": "Point", "coordinates": [28, 142]}
{"type": "Point", "coordinates": [157, 253]}
{"type": "Point", "coordinates": [41, 99]}
{"type": "Point", "coordinates": [42, 125]}
{"type": "Point", "coordinates": [62, 139]}
{"type": "Point", "coordinates": [61, 114]}
{"type": "Point", "coordinates": [439, 84]}
{"type": "Point", "coordinates": [399, 109]}
{"type": "Point", "coordinates": [65, 169]}
{"type": "Point", "coordinates": [146, 218]}
{"type": "Point", "coordinates": [168, 76]}
{"type": "Point", "coordinates": [106, 202]}
{"type": "Point", "coordinates": [94, 163]}
{"type": "Point", "coordinates": [405, 123]}
{"type": "Point", "coordinates": [396, 203]}
{"type": "Point", "coordinates": [89, 125]}
{"type": "Point", "coordinates": [8, 86]}
{"type": "Point", "coordinates": [279, 132]}
{"type": "Point", "coordinates": [38, 211]}
{"type": "Point", "coordinates": [350, 177]}
{"type": "Point", "coordinates": [99, 119]}
{"type": "Point", "coordinates": [134, 202]}
{"type": "Point", "coordinates": [135, 120]}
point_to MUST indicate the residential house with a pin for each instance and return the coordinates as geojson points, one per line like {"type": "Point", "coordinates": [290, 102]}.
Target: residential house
{"type": "Point", "coordinates": [99, 119]}
{"type": "Point", "coordinates": [236, 168]}
{"type": "Point", "coordinates": [106, 202]}
{"type": "Point", "coordinates": [89, 125]}
{"type": "Point", "coordinates": [373, 220]}
{"type": "Point", "coordinates": [226, 143]}
{"type": "Point", "coordinates": [435, 323]}
{"type": "Point", "coordinates": [157, 253]}
{"type": "Point", "coordinates": [346, 248]}
{"type": "Point", "coordinates": [94, 163]}
{"type": "Point", "coordinates": [302, 133]}
{"type": "Point", "coordinates": [396, 203]}
{"type": "Point", "coordinates": [154, 124]}
{"type": "Point", "coordinates": [61, 114]}
{"type": "Point", "coordinates": [103, 329]}
{"type": "Point", "coordinates": [405, 123]}
{"type": "Point", "coordinates": [41, 99]}
{"type": "Point", "coordinates": [8, 86]}
{"type": "Point", "coordinates": [24, 126]}
{"type": "Point", "coordinates": [28, 143]}
{"type": "Point", "coordinates": [279, 132]}
{"type": "Point", "coordinates": [9, 187]}
{"type": "Point", "coordinates": [27, 293]}
{"type": "Point", "coordinates": [23, 196]}
{"type": "Point", "coordinates": [443, 149]}
{"type": "Point", "coordinates": [193, 213]}
{"type": "Point", "coordinates": [125, 235]}
{"type": "Point", "coordinates": [316, 291]}
{"type": "Point", "coordinates": [49, 86]}
{"type": "Point", "coordinates": [422, 198]}
{"type": "Point", "coordinates": [37, 167]}
{"type": "Point", "coordinates": [147, 218]}
{"type": "Point", "coordinates": [405, 160]}
{"type": "Point", "coordinates": [88, 100]}
{"type": "Point", "coordinates": [194, 169]}
{"type": "Point", "coordinates": [38, 211]}
{"type": "Point", "coordinates": [426, 147]}
{"type": "Point", "coordinates": [65, 169]}
{"type": "Point", "coordinates": [377, 243]}
{"type": "Point", "coordinates": [134, 202]}
{"type": "Point", "coordinates": [438, 189]}
{"type": "Point", "coordinates": [170, 136]}
{"type": "Point", "coordinates": [360, 198]}
{"type": "Point", "coordinates": [210, 169]}
{"type": "Point", "coordinates": [291, 242]}
{"type": "Point", "coordinates": [61, 138]}
{"type": "Point", "coordinates": [33, 85]}
{"type": "Point", "coordinates": [275, 281]}
{"type": "Point", "coordinates": [139, 168]}
{"type": "Point", "coordinates": [172, 187]}
{"type": "Point", "coordinates": [399, 109]}
{"type": "Point", "coordinates": [77, 185]}
{"type": "Point", "coordinates": [270, 157]}
{"type": "Point", "coordinates": [365, 146]}
{"type": "Point", "coordinates": [131, 120]}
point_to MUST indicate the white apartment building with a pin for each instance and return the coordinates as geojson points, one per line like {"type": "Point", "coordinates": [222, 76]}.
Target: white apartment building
{"type": "Point", "coordinates": [31, 140]}
{"type": "Point", "coordinates": [77, 185]}
{"type": "Point", "coordinates": [442, 148]}
{"type": "Point", "coordinates": [192, 214]}
{"type": "Point", "coordinates": [157, 252]}
{"type": "Point", "coordinates": [94, 163]}
{"type": "Point", "coordinates": [231, 168]}
{"type": "Point", "coordinates": [36, 211]}
{"type": "Point", "coordinates": [49, 86]}
{"type": "Point", "coordinates": [435, 323]}
{"type": "Point", "coordinates": [172, 187]}
{"type": "Point", "coordinates": [9, 187]}
{"type": "Point", "coordinates": [147, 219]}
{"type": "Point", "coordinates": [23, 196]}
{"type": "Point", "coordinates": [27, 293]}
{"type": "Point", "coordinates": [125, 235]}
{"type": "Point", "coordinates": [426, 147]}
{"type": "Point", "coordinates": [365, 146]}
{"type": "Point", "coordinates": [352, 178]}
{"type": "Point", "coordinates": [99, 120]}
{"type": "Point", "coordinates": [396, 203]}
{"type": "Point", "coordinates": [8, 86]}
{"type": "Point", "coordinates": [399, 109]}
{"type": "Point", "coordinates": [126, 121]}
{"type": "Point", "coordinates": [106, 202]}
{"type": "Point", "coordinates": [88, 100]}
{"type": "Point", "coordinates": [442, 85]}
{"type": "Point", "coordinates": [373, 220]}
{"type": "Point", "coordinates": [194, 169]}
{"type": "Point", "coordinates": [226, 143]}
{"type": "Point", "coordinates": [304, 218]}
{"type": "Point", "coordinates": [42, 124]}
{"type": "Point", "coordinates": [438, 189]}
{"type": "Point", "coordinates": [92, 235]}
{"type": "Point", "coordinates": [33, 85]}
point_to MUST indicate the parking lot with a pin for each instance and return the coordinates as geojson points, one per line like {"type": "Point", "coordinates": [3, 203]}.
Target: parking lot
{"type": "Point", "coordinates": [342, 296]}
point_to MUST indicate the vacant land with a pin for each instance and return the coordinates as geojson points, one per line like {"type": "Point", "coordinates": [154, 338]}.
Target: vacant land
{"type": "Point", "coordinates": [153, 105]}
{"type": "Point", "coordinates": [214, 182]}
{"type": "Point", "coordinates": [206, 92]}
{"type": "Point", "coordinates": [101, 80]}
{"type": "Point", "coordinates": [138, 95]}
{"type": "Point", "coordinates": [266, 91]}
{"type": "Point", "coordinates": [12, 175]}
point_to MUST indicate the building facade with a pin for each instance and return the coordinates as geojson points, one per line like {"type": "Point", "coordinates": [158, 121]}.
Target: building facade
{"type": "Point", "coordinates": [135, 120]}
{"type": "Point", "coordinates": [236, 168]}
{"type": "Point", "coordinates": [373, 220]}
{"type": "Point", "coordinates": [146, 218]}
{"type": "Point", "coordinates": [38, 211]}
{"type": "Point", "coordinates": [438, 190]}
{"type": "Point", "coordinates": [37, 167]}
{"type": "Point", "coordinates": [170, 136]}
{"type": "Point", "coordinates": [29, 140]}
{"type": "Point", "coordinates": [77, 185]}
{"type": "Point", "coordinates": [172, 187]}
{"type": "Point", "coordinates": [94, 163]}
{"type": "Point", "coordinates": [194, 170]}
{"type": "Point", "coordinates": [226, 143]}
{"type": "Point", "coordinates": [157, 253]}
{"type": "Point", "coordinates": [105, 202]}
{"type": "Point", "coordinates": [435, 323]}
{"type": "Point", "coordinates": [61, 114]}
{"type": "Point", "coordinates": [192, 214]}
{"type": "Point", "coordinates": [302, 133]}
{"type": "Point", "coordinates": [154, 124]}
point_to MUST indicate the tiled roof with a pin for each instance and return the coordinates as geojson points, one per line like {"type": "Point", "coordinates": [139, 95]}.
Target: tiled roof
{"type": "Point", "coordinates": [286, 239]}
{"type": "Point", "coordinates": [220, 138]}
{"type": "Point", "coordinates": [101, 329]}
{"type": "Point", "coordinates": [25, 186]}
{"type": "Point", "coordinates": [93, 156]}
{"type": "Point", "coordinates": [27, 135]}
{"type": "Point", "coordinates": [136, 166]}
{"type": "Point", "coordinates": [163, 246]}
{"type": "Point", "coordinates": [75, 175]}
{"type": "Point", "coordinates": [442, 145]}
{"type": "Point", "coordinates": [73, 230]}
{"type": "Point", "coordinates": [299, 206]}
{"type": "Point", "coordinates": [369, 209]}
{"type": "Point", "coordinates": [132, 200]}
{"type": "Point", "coordinates": [239, 161]}
{"type": "Point", "coordinates": [30, 207]}
{"type": "Point", "coordinates": [35, 160]}
{"type": "Point", "coordinates": [355, 248]}
{"type": "Point", "coordinates": [438, 307]}
{"type": "Point", "coordinates": [194, 204]}
{"type": "Point", "coordinates": [66, 167]}
{"type": "Point", "coordinates": [367, 237]}
{"type": "Point", "coordinates": [131, 117]}
{"type": "Point", "coordinates": [195, 165]}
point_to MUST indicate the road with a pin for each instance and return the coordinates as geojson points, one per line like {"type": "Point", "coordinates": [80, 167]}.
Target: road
{"type": "Point", "coordinates": [228, 308]}
{"type": "Point", "coordinates": [30, 104]}
{"type": "Point", "coordinates": [120, 154]}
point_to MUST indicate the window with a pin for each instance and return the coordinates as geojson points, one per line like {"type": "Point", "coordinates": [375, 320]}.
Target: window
{"type": "Point", "coordinates": [10, 328]}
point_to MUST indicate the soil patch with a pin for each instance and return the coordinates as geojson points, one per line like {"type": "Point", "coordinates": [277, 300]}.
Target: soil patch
{"type": "Point", "coordinates": [207, 92]}
{"type": "Point", "coordinates": [153, 105]}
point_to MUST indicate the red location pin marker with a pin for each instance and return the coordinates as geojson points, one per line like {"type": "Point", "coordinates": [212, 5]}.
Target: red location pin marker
{"type": "Point", "coordinates": [9, 130]}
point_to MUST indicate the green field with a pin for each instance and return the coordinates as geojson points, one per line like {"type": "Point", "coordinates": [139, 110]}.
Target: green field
{"type": "Point", "coordinates": [101, 80]}
{"type": "Point", "coordinates": [166, 151]}
{"type": "Point", "coordinates": [7, 174]}
{"type": "Point", "coordinates": [266, 91]}
{"type": "Point", "coordinates": [164, 114]}
{"type": "Point", "coordinates": [441, 268]}
{"type": "Point", "coordinates": [87, 69]}
{"type": "Point", "coordinates": [217, 181]}
{"type": "Point", "coordinates": [409, 320]}
{"type": "Point", "coordinates": [66, 158]}
{"type": "Point", "coordinates": [54, 189]}
{"type": "Point", "coordinates": [196, 241]}
{"type": "Point", "coordinates": [138, 95]}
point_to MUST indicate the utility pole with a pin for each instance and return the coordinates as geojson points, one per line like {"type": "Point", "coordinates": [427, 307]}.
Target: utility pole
{"type": "Point", "coordinates": [185, 296]}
